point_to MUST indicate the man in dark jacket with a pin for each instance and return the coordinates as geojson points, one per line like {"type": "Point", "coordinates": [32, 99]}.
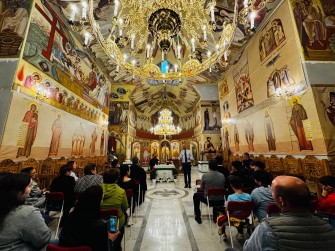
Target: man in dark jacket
{"type": "Point", "coordinates": [64, 183]}
{"type": "Point", "coordinates": [295, 229]}
{"type": "Point", "coordinates": [138, 174]}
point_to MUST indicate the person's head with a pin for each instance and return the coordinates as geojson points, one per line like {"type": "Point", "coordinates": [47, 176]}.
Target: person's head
{"type": "Point", "coordinates": [88, 205]}
{"type": "Point", "coordinates": [135, 161]}
{"type": "Point", "coordinates": [291, 194]}
{"type": "Point", "coordinates": [124, 171]}
{"type": "Point", "coordinates": [259, 165]}
{"type": "Point", "coordinates": [72, 163]}
{"type": "Point", "coordinates": [246, 156]}
{"type": "Point", "coordinates": [184, 146]}
{"type": "Point", "coordinates": [235, 182]}
{"type": "Point", "coordinates": [33, 107]}
{"type": "Point", "coordinates": [208, 139]}
{"type": "Point", "coordinates": [115, 163]}
{"type": "Point", "coordinates": [236, 165]}
{"type": "Point", "coordinates": [30, 170]}
{"type": "Point", "coordinates": [65, 170]}
{"type": "Point", "coordinates": [90, 169]}
{"type": "Point", "coordinates": [213, 165]}
{"type": "Point", "coordinates": [262, 178]}
{"type": "Point", "coordinates": [328, 183]}
{"type": "Point", "coordinates": [14, 189]}
{"type": "Point", "coordinates": [111, 176]}
{"type": "Point", "coordinates": [154, 155]}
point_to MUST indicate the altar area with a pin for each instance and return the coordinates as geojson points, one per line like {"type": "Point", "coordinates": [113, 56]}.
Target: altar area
{"type": "Point", "coordinates": [165, 173]}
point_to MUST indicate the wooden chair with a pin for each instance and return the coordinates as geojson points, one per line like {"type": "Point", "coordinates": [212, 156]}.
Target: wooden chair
{"type": "Point", "coordinates": [264, 160]}
{"type": "Point", "coordinates": [47, 173]}
{"type": "Point", "coordinates": [30, 163]}
{"type": "Point", "coordinates": [313, 169]}
{"type": "Point", "coordinates": [292, 165]}
{"type": "Point", "coordinates": [275, 165]}
{"type": "Point", "coordinates": [8, 166]}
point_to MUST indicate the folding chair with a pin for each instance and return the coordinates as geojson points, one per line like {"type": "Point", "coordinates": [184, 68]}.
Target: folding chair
{"type": "Point", "coordinates": [130, 194]}
{"type": "Point", "coordinates": [240, 210]}
{"type": "Point", "coordinates": [272, 209]}
{"type": "Point", "coordinates": [54, 201]}
{"type": "Point", "coordinates": [214, 192]}
{"type": "Point", "coordinates": [138, 182]}
{"type": "Point", "coordinates": [52, 247]}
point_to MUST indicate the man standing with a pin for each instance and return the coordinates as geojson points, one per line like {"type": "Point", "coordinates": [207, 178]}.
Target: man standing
{"type": "Point", "coordinates": [186, 157]}
{"type": "Point", "coordinates": [295, 228]}
{"type": "Point", "coordinates": [211, 179]}
{"type": "Point", "coordinates": [154, 161]}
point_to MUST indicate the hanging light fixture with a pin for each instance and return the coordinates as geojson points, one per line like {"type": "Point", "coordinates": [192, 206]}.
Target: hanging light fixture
{"type": "Point", "coordinates": [165, 124]}
{"type": "Point", "coordinates": [153, 31]}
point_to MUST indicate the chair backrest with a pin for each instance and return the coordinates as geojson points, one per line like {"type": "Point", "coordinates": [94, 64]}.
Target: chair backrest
{"type": "Point", "coordinates": [314, 205]}
{"type": "Point", "coordinates": [129, 193]}
{"type": "Point", "coordinates": [216, 191]}
{"type": "Point", "coordinates": [198, 182]}
{"type": "Point", "coordinates": [240, 209]}
{"type": "Point", "coordinates": [54, 201]}
{"type": "Point", "coordinates": [52, 247]}
{"type": "Point", "coordinates": [137, 182]}
{"type": "Point", "coordinates": [272, 208]}
{"type": "Point", "coordinates": [107, 213]}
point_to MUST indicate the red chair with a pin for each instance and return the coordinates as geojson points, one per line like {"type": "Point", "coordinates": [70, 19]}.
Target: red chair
{"type": "Point", "coordinates": [107, 213]}
{"type": "Point", "coordinates": [54, 201]}
{"type": "Point", "coordinates": [130, 194]}
{"type": "Point", "coordinates": [214, 192]}
{"type": "Point", "coordinates": [313, 205]}
{"type": "Point", "coordinates": [240, 210]}
{"type": "Point", "coordinates": [138, 182]}
{"type": "Point", "coordinates": [52, 247]}
{"type": "Point", "coordinates": [272, 209]}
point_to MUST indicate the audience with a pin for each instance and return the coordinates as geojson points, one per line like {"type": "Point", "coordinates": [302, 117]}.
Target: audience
{"type": "Point", "coordinates": [84, 226]}
{"type": "Point", "coordinates": [237, 170]}
{"type": "Point", "coordinates": [22, 227]}
{"type": "Point", "coordinates": [36, 196]}
{"type": "Point", "coordinates": [138, 173]}
{"type": "Point", "coordinates": [295, 228]}
{"type": "Point", "coordinates": [211, 179]}
{"type": "Point", "coordinates": [73, 165]}
{"type": "Point", "coordinates": [90, 178]}
{"type": "Point", "coordinates": [258, 165]}
{"type": "Point", "coordinates": [115, 197]}
{"type": "Point", "coordinates": [126, 183]}
{"type": "Point", "coordinates": [246, 161]}
{"type": "Point", "coordinates": [326, 205]}
{"type": "Point", "coordinates": [153, 161]}
{"type": "Point", "coordinates": [262, 196]}
{"type": "Point", "coordinates": [236, 184]}
{"type": "Point", "coordinates": [115, 163]}
{"type": "Point", "coordinates": [64, 183]}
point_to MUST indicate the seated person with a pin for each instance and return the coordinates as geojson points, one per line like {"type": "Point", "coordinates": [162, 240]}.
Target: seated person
{"type": "Point", "coordinates": [238, 170]}
{"type": "Point", "coordinates": [326, 205]}
{"type": "Point", "coordinates": [115, 163]}
{"type": "Point", "coordinates": [115, 197]}
{"type": "Point", "coordinates": [65, 183]}
{"type": "Point", "coordinates": [238, 195]}
{"type": "Point", "coordinates": [84, 226]}
{"type": "Point", "coordinates": [73, 165]}
{"type": "Point", "coordinates": [90, 178]}
{"type": "Point", "coordinates": [262, 196]}
{"type": "Point", "coordinates": [211, 179]}
{"type": "Point", "coordinates": [21, 226]}
{"type": "Point", "coordinates": [36, 196]}
{"type": "Point", "coordinates": [295, 228]}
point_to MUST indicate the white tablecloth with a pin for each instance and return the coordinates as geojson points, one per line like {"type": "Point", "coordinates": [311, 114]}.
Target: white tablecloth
{"type": "Point", "coordinates": [165, 172]}
{"type": "Point", "coordinates": [203, 166]}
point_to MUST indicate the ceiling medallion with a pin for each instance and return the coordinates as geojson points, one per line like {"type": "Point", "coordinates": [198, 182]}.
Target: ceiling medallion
{"type": "Point", "coordinates": [147, 32]}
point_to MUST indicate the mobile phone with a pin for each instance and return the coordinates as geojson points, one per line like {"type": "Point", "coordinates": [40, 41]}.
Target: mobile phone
{"type": "Point", "coordinates": [113, 224]}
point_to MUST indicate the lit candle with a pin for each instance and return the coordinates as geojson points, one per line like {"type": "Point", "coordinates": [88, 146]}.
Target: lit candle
{"type": "Point", "coordinates": [120, 32]}
{"type": "Point", "coordinates": [193, 44]}
{"type": "Point", "coordinates": [117, 68]}
{"type": "Point", "coordinates": [162, 55]}
{"type": "Point", "coordinates": [252, 20]}
{"type": "Point", "coordinates": [212, 14]}
{"type": "Point", "coordinates": [209, 53]}
{"type": "Point", "coordinates": [148, 50]}
{"type": "Point", "coordinates": [205, 33]}
{"type": "Point", "coordinates": [178, 51]}
{"type": "Point", "coordinates": [132, 44]}
{"type": "Point", "coordinates": [225, 56]}
{"type": "Point", "coordinates": [210, 69]}
{"type": "Point", "coordinates": [87, 38]}
{"type": "Point", "coordinates": [175, 68]}
{"type": "Point", "coordinates": [73, 12]}
{"type": "Point", "coordinates": [116, 7]}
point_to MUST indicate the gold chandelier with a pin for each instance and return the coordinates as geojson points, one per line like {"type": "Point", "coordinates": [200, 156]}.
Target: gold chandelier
{"type": "Point", "coordinates": [165, 124]}
{"type": "Point", "coordinates": [157, 39]}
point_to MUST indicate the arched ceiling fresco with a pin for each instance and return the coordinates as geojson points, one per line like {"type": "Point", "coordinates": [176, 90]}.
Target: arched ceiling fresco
{"type": "Point", "coordinates": [148, 94]}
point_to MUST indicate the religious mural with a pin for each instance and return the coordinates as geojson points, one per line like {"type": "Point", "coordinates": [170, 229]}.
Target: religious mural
{"type": "Point", "coordinates": [315, 22]}
{"type": "Point", "coordinates": [118, 116]}
{"type": "Point", "coordinates": [155, 149]}
{"type": "Point", "coordinates": [31, 81]}
{"type": "Point", "coordinates": [54, 51]}
{"type": "Point", "coordinates": [281, 97]}
{"type": "Point", "coordinates": [116, 143]}
{"type": "Point", "coordinates": [223, 88]}
{"type": "Point", "coordinates": [14, 19]}
{"type": "Point", "coordinates": [33, 130]}
{"type": "Point", "coordinates": [175, 149]}
{"type": "Point", "coordinates": [244, 95]}
{"type": "Point", "coordinates": [136, 151]}
{"type": "Point", "coordinates": [121, 92]}
{"type": "Point", "coordinates": [211, 116]}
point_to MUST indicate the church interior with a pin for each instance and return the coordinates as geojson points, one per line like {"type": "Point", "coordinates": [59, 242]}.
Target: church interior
{"type": "Point", "coordinates": [93, 80]}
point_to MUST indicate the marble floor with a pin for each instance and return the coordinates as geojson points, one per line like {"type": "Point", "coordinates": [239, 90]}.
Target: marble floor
{"type": "Point", "coordinates": [165, 221]}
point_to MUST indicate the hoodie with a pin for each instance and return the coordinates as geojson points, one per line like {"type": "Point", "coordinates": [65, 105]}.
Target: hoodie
{"type": "Point", "coordinates": [115, 197]}
{"type": "Point", "coordinates": [261, 197]}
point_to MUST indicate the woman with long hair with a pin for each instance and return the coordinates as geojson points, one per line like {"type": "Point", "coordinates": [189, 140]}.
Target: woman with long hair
{"type": "Point", "coordinates": [126, 183]}
{"type": "Point", "coordinates": [21, 226]}
{"type": "Point", "coordinates": [84, 225]}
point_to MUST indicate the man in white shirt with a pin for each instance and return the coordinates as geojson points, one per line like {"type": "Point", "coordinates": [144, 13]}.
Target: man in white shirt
{"type": "Point", "coordinates": [186, 158]}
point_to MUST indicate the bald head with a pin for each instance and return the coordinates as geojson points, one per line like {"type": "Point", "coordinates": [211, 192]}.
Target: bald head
{"type": "Point", "coordinates": [291, 193]}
